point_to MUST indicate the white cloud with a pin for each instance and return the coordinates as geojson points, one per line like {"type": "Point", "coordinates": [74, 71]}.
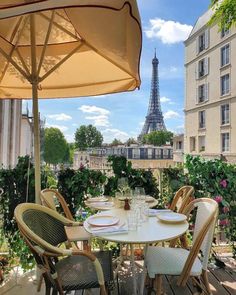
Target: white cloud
{"type": "Point", "coordinates": [110, 133]}
{"type": "Point", "coordinates": [99, 115]}
{"type": "Point", "coordinates": [165, 99]}
{"type": "Point", "coordinates": [60, 117]}
{"type": "Point", "coordinates": [70, 137]}
{"type": "Point", "coordinates": [61, 127]}
{"type": "Point", "coordinates": [173, 69]}
{"type": "Point", "coordinates": [100, 120]}
{"type": "Point", "coordinates": [171, 115]}
{"type": "Point", "coordinates": [94, 110]}
{"type": "Point", "coordinates": [169, 32]}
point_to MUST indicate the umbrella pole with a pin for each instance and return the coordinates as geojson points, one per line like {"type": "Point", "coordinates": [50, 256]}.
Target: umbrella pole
{"type": "Point", "coordinates": [34, 81]}
{"type": "Point", "coordinates": [36, 144]}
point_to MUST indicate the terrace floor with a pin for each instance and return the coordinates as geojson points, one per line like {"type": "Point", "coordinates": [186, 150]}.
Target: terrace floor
{"type": "Point", "coordinates": [222, 282]}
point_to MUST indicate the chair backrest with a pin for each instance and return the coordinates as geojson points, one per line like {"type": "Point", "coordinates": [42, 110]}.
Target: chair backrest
{"type": "Point", "coordinates": [205, 221]}
{"type": "Point", "coordinates": [182, 198]}
{"type": "Point", "coordinates": [42, 226]}
{"type": "Point", "coordinates": [51, 198]}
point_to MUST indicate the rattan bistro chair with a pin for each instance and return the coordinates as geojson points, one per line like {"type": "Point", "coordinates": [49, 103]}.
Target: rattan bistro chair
{"type": "Point", "coordinates": [63, 269]}
{"type": "Point", "coordinates": [51, 198]}
{"type": "Point", "coordinates": [182, 262]}
{"type": "Point", "coordinates": [182, 198]}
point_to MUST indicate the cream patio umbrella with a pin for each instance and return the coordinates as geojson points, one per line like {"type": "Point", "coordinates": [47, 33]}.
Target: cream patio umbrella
{"type": "Point", "coordinates": [67, 48]}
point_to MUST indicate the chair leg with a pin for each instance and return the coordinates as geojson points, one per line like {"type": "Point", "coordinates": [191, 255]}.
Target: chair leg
{"type": "Point", "coordinates": [103, 290]}
{"type": "Point", "coordinates": [205, 281]}
{"type": "Point", "coordinates": [158, 280]}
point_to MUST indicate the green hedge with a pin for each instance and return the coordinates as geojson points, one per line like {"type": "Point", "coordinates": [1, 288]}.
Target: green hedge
{"type": "Point", "coordinates": [210, 178]}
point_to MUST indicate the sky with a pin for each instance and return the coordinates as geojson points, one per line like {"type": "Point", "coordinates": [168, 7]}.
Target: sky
{"type": "Point", "coordinates": [166, 24]}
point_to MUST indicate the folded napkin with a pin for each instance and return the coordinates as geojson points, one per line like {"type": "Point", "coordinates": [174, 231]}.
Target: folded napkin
{"type": "Point", "coordinates": [119, 228]}
{"type": "Point", "coordinates": [154, 212]}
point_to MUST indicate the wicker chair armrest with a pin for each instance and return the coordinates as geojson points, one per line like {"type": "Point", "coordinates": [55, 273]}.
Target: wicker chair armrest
{"type": "Point", "coordinates": [87, 254]}
{"type": "Point", "coordinates": [96, 264]}
{"type": "Point", "coordinates": [76, 223]}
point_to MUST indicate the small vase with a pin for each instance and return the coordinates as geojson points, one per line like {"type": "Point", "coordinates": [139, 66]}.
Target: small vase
{"type": "Point", "coordinates": [126, 206]}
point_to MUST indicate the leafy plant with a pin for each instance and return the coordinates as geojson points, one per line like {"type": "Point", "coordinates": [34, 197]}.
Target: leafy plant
{"type": "Point", "coordinates": [15, 183]}
{"type": "Point", "coordinates": [210, 178]}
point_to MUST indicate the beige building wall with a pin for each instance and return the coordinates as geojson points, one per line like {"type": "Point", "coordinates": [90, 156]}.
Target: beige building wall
{"type": "Point", "coordinates": [10, 122]}
{"type": "Point", "coordinates": [26, 143]}
{"type": "Point", "coordinates": [214, 100]}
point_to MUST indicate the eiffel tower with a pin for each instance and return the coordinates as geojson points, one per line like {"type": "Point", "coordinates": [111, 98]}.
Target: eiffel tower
{"type": "Point", "coordinates": [154, 119]}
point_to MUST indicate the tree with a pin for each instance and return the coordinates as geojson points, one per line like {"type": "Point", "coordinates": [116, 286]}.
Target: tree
{"type": "Point", "coordinates": [87, 136]}
{"type": "Point", "coordinates": [131, 141]}
{"type": "Point", "coordinates": [116, 142]}
{"type": "Point", "coordinates": [55, 146]}
{"type": "Point", "coordinates": [225, 13]}
{"type": "Point", "coordinates": [158, 138]}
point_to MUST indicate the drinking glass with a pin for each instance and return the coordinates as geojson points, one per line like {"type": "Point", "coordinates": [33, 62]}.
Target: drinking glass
{"type": "Point", "coordinates": [132, 221]}
{"type": "Point", "coordinates": [122, 185]}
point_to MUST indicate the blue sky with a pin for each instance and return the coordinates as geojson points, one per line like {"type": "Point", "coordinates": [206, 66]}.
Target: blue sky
{"type": "Point", "coordinates": [166, 24]}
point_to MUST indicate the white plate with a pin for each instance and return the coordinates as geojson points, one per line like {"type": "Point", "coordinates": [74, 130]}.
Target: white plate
{"type": "Point", "coordinates": [149, 199]}
{"type": "Point", "coordinates": [171, 217]}
{"type": "Point", "coordinates": [103, 220]}
{"type": "Point", "coordinates": [97, 199]}
{"type": "Point", "coordinates": [154, 212]}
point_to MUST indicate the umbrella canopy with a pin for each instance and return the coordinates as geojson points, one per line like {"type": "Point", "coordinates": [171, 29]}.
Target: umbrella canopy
{"type": "Point", "coordinates": [67, 48]}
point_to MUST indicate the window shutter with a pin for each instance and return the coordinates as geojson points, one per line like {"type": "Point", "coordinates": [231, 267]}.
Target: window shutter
{"type": "Point", "coordinates": [196, 71]}
{"type": "Point", "coordinates": [206, 38]}
{"type": "Point", "coordinates": [206, 65]}
{"type": "Point", "coordinates": [206, 91]}
{"type": "Point", "coordinates": [197, 45]}
{"type": "Point", "coordinates": [197, 95]}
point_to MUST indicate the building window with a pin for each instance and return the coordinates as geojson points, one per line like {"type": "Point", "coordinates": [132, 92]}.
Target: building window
{"type": "Point", "coordinates": [225, 114]}
{"type": "Point", "coordinates": [202, 119]}
{"type": "Point", "coordinates": [179, 145]}
{"type": "Point", "coordinates": [224, 32]}
{"type": "Point", "coordinates": [224, 84]}
{"type": "Point", "coordinates": [202, 41]}
{"type": "Point", "coordinates": [225, 142]}
{"type": "Point", "coordinates": [192, 143]}
{"type": "Point", "coordinates": [203, 67]}
{"type": "Point", "coordinates": [202, 93]}
{"type": "Point", "coordinates": [201, 143]}
{"type": "Point", "coordinates": [225, 55]}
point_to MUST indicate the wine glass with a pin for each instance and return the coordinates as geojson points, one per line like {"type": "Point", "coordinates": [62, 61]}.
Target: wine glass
{"type": "Point", "coordinates": [122, 185]}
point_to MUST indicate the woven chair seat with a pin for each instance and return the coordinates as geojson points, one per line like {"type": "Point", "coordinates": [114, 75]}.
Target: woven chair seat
{"type": "Point", "coordinates": [77, 272]}
{"type": "Point", "coordinates": [170, 261]}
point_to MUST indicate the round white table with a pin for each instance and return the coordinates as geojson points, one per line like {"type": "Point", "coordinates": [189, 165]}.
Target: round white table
{"type": "Point", "coordinates": [151, 231]}
{"type": "Point", "coordinates": [101, 206]}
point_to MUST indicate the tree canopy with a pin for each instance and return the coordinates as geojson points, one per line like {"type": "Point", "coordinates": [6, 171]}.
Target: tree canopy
{"type": "Point", "coordinates": [158, 138]}
{"type": "Point", "coordinates": [55, 146]}
{"type": "Point", "coordinates": [87, 136]}
{"type": "Point", "coordinates": [225, 13]}
{"type": "Point", "coordinates": [116, 142]}
{"type": "Point", "coordinates": [130, 141]}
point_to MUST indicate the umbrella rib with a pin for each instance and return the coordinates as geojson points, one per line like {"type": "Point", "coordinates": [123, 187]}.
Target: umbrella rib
{"type": "Point", "coordinates": [14, 63]}
{"type": "Point", "coordinates": [108, 59]}
{"type": "Point", "coordinates": [61, 28]}
{"type": "Point", "coordinates": [60, 62]}
{"type": "Point", "coordinates": [8, 57]}
{"type": "Point", "coordinates": [22, 61]}
{"type": "Point", "coordinates": [46, 42]}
